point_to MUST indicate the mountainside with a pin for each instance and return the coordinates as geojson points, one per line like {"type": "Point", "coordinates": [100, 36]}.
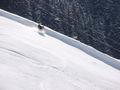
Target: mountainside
{"type": "Point", "coordinates": [94, 22]}
{"type": "Point", "coordinates": [30, 60]}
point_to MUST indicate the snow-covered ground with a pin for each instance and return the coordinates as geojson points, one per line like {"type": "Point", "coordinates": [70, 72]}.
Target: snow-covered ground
{"type": "Point", "coordinates": [30, 60]}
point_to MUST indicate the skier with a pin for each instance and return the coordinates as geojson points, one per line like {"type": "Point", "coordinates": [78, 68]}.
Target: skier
{"type": "Point", "coordinates": [40, 27]}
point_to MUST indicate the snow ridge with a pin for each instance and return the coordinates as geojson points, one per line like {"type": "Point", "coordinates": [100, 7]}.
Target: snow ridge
{"type": "Point", "coordinates": [89, 50]}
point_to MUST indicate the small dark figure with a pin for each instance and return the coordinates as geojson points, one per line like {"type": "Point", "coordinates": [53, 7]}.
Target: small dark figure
{"type": "Point", "coordinates": [40, 27]}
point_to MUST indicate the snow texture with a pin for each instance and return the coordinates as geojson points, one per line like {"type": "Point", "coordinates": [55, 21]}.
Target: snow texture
{"type": "Point", "coordinates": [32, 60]}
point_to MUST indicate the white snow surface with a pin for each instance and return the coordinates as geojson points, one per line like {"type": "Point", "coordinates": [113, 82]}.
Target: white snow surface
{"type": "Point", "coordinates": [30, 60]}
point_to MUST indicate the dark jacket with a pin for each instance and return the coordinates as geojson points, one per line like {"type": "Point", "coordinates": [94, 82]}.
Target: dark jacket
{"type": "Point", "coordinates": [40, 27]}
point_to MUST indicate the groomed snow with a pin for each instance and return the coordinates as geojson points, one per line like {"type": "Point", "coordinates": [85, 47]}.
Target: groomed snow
{"type": "Point", "coordinates": [32, 61]}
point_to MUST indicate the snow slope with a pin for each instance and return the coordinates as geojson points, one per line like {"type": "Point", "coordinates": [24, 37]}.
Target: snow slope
{"type": "Point", "coordinates": [32, 61]}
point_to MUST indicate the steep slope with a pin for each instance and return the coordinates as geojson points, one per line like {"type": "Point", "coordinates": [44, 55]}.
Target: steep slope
{"type": "Point", "coordinates": [32, 61]}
